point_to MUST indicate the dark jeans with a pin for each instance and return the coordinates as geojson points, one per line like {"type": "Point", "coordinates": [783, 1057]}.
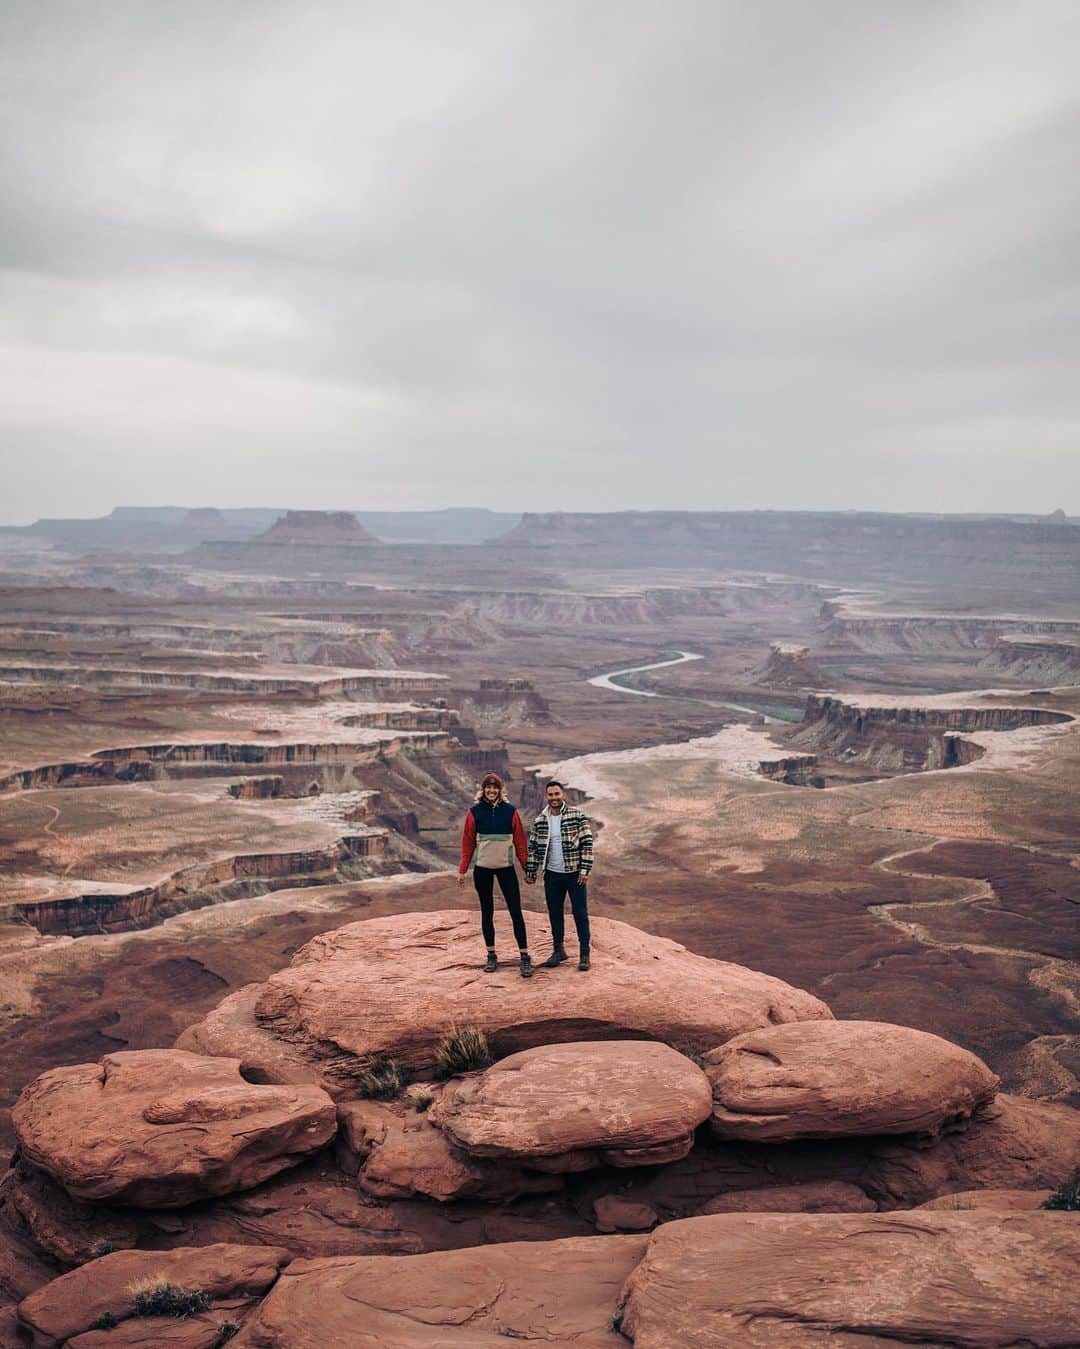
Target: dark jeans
{"type": "Point", "coordinates": [484, 880]}
{"type": "Point", "coordinates": [557, 885]}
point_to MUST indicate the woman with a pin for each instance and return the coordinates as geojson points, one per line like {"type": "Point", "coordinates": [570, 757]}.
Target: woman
{"type": "Point", "coordinates": [493, 834]}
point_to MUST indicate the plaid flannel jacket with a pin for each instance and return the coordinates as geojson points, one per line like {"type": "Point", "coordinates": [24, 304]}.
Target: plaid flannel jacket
{"type": "Point", "coordinates": [577, 842]}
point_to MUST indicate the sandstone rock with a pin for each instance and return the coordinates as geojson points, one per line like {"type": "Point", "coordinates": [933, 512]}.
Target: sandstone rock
{"type": "Point", "coordinates": [159, 1128]}
{"type": "Point", "coordinates": [613, 1213]}
{"type": "Point", "coordinates": [553, 1292]}
{"type": "Point", "coordinates": [231, 1031]}
{"type": "Point", "coordinates": [822, 1196]}
{"type": "Point", "coordinates": [72, 1303]}
{"type": "Point", "coordinates": [164, 1332]}
{"type": "Point", "coordinates": [822, 1079]}
{"type": "Point", "coordinates": [981, 1279]}
{"type": "Point", "coordinates": [404, 1154]}
{"type": "Point", "coordinates": [573, 1106]}
{"type": "Point", "coordinates": [1005, 1201]}
{"type": "Point", "coordinates": [393, 986]}
{"type": "Point", "coordinates": [1014, 1144]}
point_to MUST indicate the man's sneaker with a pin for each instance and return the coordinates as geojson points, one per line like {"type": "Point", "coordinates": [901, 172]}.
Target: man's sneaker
{"type": "Point", "coordinates": [583, 961]}
{"type": "Point", "coordinates": [556, 958]}
{"type": "Point", "coordinates": [526, 965]}
{"type": "Point", "coordinates": [492, 963]}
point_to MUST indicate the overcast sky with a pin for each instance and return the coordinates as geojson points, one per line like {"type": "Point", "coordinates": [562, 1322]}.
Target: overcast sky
{"type": "Point", "coordinates": [539, 255]}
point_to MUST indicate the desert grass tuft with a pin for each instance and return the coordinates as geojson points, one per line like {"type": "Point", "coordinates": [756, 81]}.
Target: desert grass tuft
{"type": "Point", "coordinates": [156, 1296]}
{"type": "Point", "coordinates": [1067, 1195]}
{"type": "Point", "coordinates": [380, 1079]}
{"type": "Point", "coordinates": [463, 1049]}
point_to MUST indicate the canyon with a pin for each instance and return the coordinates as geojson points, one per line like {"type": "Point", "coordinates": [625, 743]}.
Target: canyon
{"type": "Point", "coordinates": [234, 759]}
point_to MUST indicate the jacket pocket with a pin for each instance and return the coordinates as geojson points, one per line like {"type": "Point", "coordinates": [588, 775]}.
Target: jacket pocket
{"type": "Point", "coordinates": [494, 851]}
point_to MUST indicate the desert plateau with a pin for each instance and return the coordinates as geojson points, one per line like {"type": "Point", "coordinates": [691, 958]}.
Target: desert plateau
{"type": "Point", "coordinates": [831, 1024]}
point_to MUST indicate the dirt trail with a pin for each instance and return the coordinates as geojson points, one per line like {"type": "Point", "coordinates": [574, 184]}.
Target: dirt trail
{"type": "Point", "coordinates": [49, 831]}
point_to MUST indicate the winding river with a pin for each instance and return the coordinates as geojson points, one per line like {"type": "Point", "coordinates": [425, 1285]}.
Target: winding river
{"type": "Point", "coordinates": [608, 681]}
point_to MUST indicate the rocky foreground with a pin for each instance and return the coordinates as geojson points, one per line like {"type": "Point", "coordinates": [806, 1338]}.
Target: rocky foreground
{"type": "Point", "coordinates": [764, 1174]}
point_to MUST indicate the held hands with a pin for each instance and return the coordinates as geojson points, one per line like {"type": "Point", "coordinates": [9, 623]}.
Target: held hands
{"type": "Point", "coordinates": [530, 880]}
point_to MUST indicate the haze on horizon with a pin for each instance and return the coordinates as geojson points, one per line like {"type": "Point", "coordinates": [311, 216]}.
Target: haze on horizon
{"type": "Point", "coordinates": [543, 256]}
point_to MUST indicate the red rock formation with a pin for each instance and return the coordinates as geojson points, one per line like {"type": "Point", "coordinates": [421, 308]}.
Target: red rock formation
{"type": "Point", "coordinates": [555, 1292]}
{"type": "Point", "coordinates": [391, 986]}
{"type": "Point", "coordinates": [612, 1213]}
{"type": "Point", "coordinates": [790, 667]}
{"type": "Point", "coordinates": [820, 1080]}
{"type": "Point", "coordinates": [399, 1153]}
{"type": "Point", "coordinates": [905, 737]}
{"type": "Point", "coordinates": [159, 1128]}
{"type": "Point", "coordinates": [1003, 1201]}
{"type": "Point", "coordinates": [981, 1279]}
{"type": "Point", "coordinates": [978, 1279]}
{"type": "Point", "coordinates": [816, 1196]}
{"type": "Point", "coordinates": [232, 1277]}
{"type": "Point", "coordinates": [569, 1107]}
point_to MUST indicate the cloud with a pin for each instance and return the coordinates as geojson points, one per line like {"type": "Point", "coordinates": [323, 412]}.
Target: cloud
{"type": "Point", "coordinates": [539, 255]}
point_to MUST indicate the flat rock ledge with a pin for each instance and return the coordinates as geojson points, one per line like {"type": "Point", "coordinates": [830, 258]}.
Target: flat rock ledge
{"type": "Point", "coordinates": [570, 1107]}
{"type": "Point", "coordinates": [64, 1311]}
{"type": "Point", "coordinates": [976, 1278]}
{"type": "Point", "coordinates": [390, 987]}
{"type": "Point", "coordinates": [160, 1128]}
{"type": "Point", "coordinates": [980, 1278]}
{"type": "Point", "coordinates": [831, 1078]}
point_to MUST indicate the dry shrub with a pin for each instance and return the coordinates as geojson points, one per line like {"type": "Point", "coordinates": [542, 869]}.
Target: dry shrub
{"type": "Point", "coordinates": [156, 1296]}
{"type": "Point", "coordinates": [463, 1049]}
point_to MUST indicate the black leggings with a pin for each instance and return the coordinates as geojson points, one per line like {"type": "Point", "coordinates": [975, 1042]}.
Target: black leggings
{"type": "Point", "coordinates": [484, 880]}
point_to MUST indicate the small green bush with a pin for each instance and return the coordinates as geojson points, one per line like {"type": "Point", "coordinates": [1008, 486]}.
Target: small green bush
{"type": "Point", "coordinates": [695, 1056]}
{"type": "Point", "coordinates": [226, 1331]}
{"type": "Point", "coordinates": [106, 1321]}
{"type": "Point", "coordinates": [156, 1296]}
{"type": "Point", "coordinates": [1067, 1195]}
{"type": "Point", "coordinates": [100, 1248]}
{"type": "Point", "coordinates": [381, 1079]}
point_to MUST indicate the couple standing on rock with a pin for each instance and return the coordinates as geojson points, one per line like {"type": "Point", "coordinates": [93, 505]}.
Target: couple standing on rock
{"type": "Point", "coordinates": [560, 844]}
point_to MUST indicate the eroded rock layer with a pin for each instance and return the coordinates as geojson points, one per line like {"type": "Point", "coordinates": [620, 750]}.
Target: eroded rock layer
{"type": "Point", "coordinates": [843, 1078]}
{"type": "Point", "coordinates": [160, 1128]}
{"type": "Point", "coordinates": [573, 1106]}
{"type": "Point", "coordinates": [393, 986]}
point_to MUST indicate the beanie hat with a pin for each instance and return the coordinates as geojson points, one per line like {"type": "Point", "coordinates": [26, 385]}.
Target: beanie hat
{"type": "Point", "coordinates": [491, 780]}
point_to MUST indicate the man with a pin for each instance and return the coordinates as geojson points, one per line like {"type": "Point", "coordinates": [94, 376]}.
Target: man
{"type": "Point", "coordinates": [561, 844]}
{"type": "Point", "coordinates": [493, 833]}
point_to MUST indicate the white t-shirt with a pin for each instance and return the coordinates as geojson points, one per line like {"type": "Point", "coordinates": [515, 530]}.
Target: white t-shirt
{"type": "Point", "coordinates": [554, 860]}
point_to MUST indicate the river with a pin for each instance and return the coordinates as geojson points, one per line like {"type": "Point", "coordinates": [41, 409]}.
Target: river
{"type": "Point", "coordinates": [607, 681]}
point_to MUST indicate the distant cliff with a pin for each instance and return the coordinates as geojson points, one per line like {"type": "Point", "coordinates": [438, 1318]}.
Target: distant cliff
{"type": "Point", "coordinates": [1043, 556]}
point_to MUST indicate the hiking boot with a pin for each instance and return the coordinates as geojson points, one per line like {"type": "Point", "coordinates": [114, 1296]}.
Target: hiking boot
{"type": "Point", "coordinates": [583, 961]}
{"type": "Point", "coordinates": [556, 958]}
{"type": "Point", "coordinates": [526, 965]}
{"type": "Point", "coordinates": [492, 963]}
